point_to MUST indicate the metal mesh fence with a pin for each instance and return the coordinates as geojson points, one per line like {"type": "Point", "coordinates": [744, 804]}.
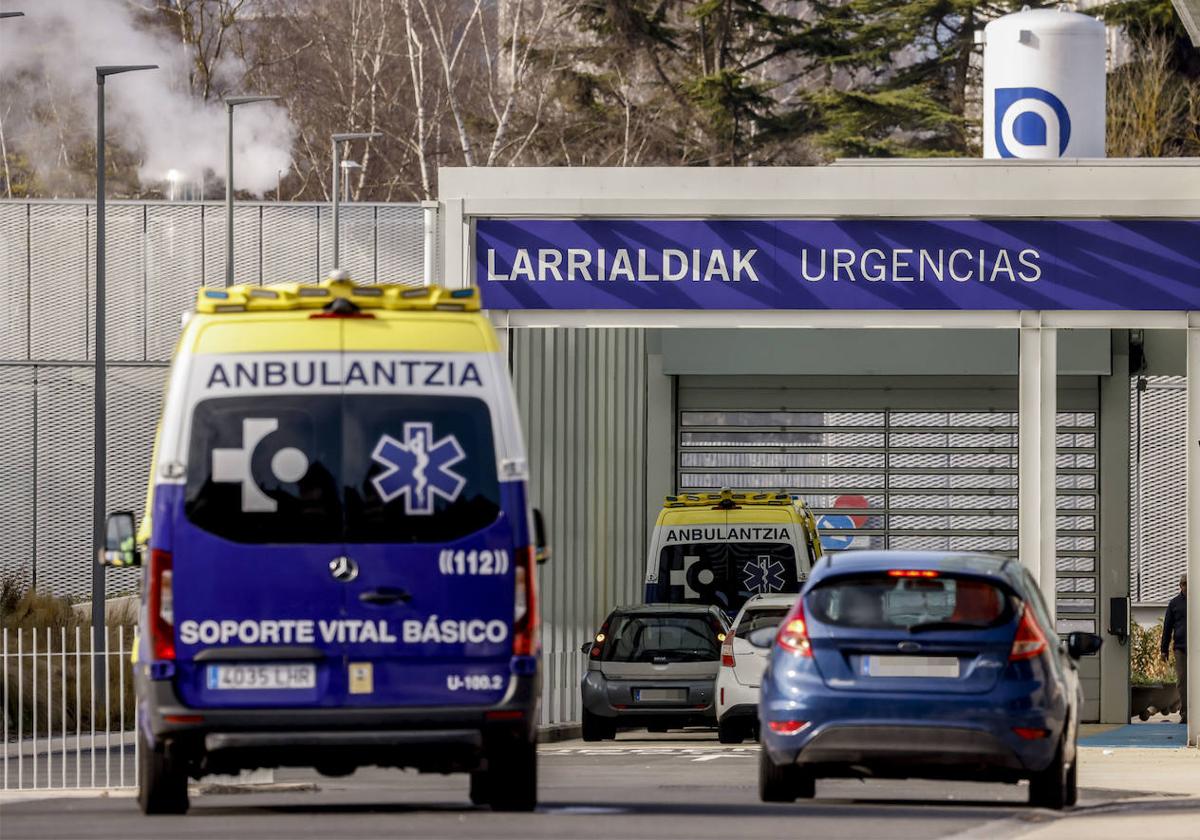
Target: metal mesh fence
{"type": "Point", "coordinates": [1158, 491]}
{"type": "Point", "coordinates": [158, 253]}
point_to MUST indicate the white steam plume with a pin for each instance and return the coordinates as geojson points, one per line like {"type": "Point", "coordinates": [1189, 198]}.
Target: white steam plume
{"type": "Point", "coordinates": [53, 51]}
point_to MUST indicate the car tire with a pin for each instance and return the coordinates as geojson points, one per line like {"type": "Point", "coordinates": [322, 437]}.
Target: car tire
{"type": "Point", "coordinates": [731, 732]}
{"type": "Point", "coordinates": [783, 783]}
{"type": "Point", "coordinates": [510, 781]}
{"type": "Point", "coordinates": [596, 728]}
{"type": "Point", "coordinates": [162, 778]}
{"type": "Point", "coordinates": [1072, 792]}
{"type": "Point", "coordinates": [1049, 788]}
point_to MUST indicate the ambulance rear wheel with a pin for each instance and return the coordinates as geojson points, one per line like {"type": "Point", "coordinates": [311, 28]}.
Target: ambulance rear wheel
{"type": "Point", "coordinates": [511, 777]}
{"type": "Point", "coordinates": [162, 778]}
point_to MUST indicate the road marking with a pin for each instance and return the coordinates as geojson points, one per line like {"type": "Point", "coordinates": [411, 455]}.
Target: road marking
{"type": "Point", "coordinates": [584, 810]}
{"type": "Point", "coordinates": [721, 755]}
{"type": "Point", "coordinates": [619, 751]}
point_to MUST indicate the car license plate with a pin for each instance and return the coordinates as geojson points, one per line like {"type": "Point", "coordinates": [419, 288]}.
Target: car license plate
{"type": "Point", "coordinates": [268, 676]}
{"type": "Point", "coordinates": [913, 666]}
{"type": "Point", "coordinates": [661, 695]}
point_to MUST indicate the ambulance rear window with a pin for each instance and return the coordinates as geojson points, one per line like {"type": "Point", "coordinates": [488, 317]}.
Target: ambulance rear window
{"type": "Point", "coordinates": [418, 468]}
{"type": "Point", "coordinates": [728, 573]}
{"type": "Point", "coordinates": [378, 468]}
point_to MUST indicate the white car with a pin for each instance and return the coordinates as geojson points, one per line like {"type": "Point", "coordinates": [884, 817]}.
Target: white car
{"type": "Point", "coordinates": [742, 666]}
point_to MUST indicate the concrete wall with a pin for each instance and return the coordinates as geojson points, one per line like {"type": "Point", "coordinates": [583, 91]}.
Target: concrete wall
{"type": "Point", "coordinates": [586, 398]}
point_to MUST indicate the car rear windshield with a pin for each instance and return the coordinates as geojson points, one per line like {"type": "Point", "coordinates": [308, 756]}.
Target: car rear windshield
{"type": "Point", "coordinates": [662, 638]}
{"type": "Point", "coordinates": [757, 619]}
{"type": "Point", "coordinates": [882, 601]}
{"type": "Point", "coordinates": [329, 469]}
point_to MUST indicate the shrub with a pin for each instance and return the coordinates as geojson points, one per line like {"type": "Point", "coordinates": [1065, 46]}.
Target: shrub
{"type": "Point", "coordinates": [1146, 666]}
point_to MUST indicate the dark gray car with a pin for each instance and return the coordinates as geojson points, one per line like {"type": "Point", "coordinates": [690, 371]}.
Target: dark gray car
{"type": "Point", "coordinates": [653, 665]}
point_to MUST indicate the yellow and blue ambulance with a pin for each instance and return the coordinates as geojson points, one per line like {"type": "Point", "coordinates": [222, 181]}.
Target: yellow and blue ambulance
{"type": "Point", "coordinates": [339, 550]}
{"type": "Point", "coordinates": [722, 548]}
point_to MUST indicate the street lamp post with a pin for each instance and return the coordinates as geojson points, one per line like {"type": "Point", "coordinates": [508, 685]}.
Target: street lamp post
{"type": "Point", "coordinates": [338, 139]}
{"type": "Point", "coordinates": [100, 417]}
{"type": "Point", "coordinates": [232, 102]}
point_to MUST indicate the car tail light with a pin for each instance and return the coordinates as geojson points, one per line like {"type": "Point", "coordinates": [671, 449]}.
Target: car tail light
{"type": "Point", "coordinates": [598, 643]}
{"type": "Point", "coordinates": [1030, 641]}
{"type": "Point", "coordinates": [912, 573]}
{"type": "Point", "coordinates": [184, 718]}
{"type": "Point", "coordinates": [727, 658]}
{"type": "Point", "coordinates": [787, 727]}
{"type": "Point", "coordinates": [161, 606]}
{"type": "Point", "coordinates": [525, 614]}
{"type": "Point", "coordinates": [793, 632]}
{"type": "Point", "coordinates": [1031, 733]}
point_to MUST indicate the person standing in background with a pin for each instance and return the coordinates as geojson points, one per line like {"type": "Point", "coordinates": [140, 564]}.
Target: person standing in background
{"type": "Point", "coordinates": [1175, 624]}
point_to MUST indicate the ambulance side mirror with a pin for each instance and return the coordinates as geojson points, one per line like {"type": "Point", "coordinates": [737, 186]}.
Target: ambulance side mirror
{"type": "Point", "coordinates": [541, 543]}
{"type": "Point", "coordinates": [119, 549]}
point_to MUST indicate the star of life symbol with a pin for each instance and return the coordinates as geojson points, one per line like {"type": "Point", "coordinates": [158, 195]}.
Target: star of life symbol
{"type": "Point", "coordinates": [763, 575]}
{"type": "Point", "coordinates": [418, 468]}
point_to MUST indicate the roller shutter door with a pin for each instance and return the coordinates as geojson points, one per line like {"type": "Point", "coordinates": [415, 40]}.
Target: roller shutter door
{"type": "Point", "coordinates": [902, 468]}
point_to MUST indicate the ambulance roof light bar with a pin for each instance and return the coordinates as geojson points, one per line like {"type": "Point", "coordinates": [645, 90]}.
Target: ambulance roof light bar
{"type": "Point", "coordinates": [727, 499]}
{"type": "Point", "coordinates": [293, 296]}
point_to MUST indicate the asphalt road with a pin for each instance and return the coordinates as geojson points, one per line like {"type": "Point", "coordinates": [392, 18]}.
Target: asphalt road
{"type": "Point", "coordinates": [670, 786]}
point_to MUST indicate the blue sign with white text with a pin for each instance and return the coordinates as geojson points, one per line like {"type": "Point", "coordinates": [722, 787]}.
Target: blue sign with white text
{"type": "Point", "coordinates": [907, 264]}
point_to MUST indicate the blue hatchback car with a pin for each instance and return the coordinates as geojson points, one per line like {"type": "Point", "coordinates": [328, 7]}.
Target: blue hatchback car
{"type": "Point", "coordinates": [920, 665]}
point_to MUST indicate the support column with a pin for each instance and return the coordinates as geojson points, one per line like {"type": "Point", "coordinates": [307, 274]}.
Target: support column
{"type": "Point", "coordinates": [456, 270]}
{"type": "Point", "coordinates": [1193, 522]}
{"type": "Point", "coordinates": [431, 269]}
{"type": "Point", "coordinates": [1029, 457]}
{"type": "Point", "coordinates": [1048, 468]}
{"type": "Point", "coordinates": [1114, 528]}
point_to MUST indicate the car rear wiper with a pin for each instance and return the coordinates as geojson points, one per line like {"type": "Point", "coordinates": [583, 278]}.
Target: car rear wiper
{"type": "Point", "coordinates": [931, 626]}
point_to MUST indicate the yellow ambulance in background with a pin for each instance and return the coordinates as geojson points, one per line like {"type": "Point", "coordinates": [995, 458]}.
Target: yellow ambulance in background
{"type": "Point", "coordinates": [725, 547]}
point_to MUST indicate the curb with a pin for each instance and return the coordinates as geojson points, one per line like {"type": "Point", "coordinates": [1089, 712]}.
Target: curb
{"type": "Point", "coordinates": [559, 732]}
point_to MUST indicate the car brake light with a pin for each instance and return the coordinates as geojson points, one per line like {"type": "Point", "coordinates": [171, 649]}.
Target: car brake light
{"type": "Point", "coordinates": [161, 606]}
{"type": "Point", "coordinates": [793, 632]}
{"type": "Point", "coordinates": [1030, 641]}
{"type": "Point", "coordinates": [1031, 733]}
{"type": "Point", "coordinates": [727, 658]}
{"type": "Point", "coordinates": [912, 573]}
{"type": "Point", "coordinates": [787, 727]}
{"type": "Point", "coordinates": [525, 614]}
{"type": "Point", "coordinates": [597, 645]}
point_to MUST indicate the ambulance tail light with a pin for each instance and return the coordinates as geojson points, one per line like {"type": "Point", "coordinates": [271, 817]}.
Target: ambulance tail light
{"type": "Point", "coordinates": [161, 606]}
{"type": "Point", "coordinates": [525, 612]}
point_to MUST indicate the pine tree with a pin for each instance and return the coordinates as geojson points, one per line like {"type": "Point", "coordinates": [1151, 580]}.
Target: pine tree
{"type": "Point", "coordinates": [903, 77]}
{"type": "Point", "coordinates": [724, 78]}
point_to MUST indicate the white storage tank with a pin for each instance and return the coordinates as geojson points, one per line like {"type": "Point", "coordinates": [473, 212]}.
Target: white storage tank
{"type": "Point", "coordinates": [1043, 85]}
